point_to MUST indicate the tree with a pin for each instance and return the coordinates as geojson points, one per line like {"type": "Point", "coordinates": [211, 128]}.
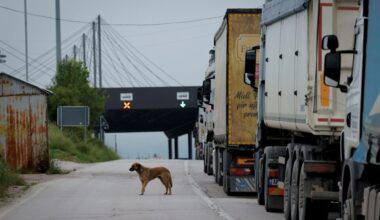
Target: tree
{"type": "Point", "coordinates": [71, 87]}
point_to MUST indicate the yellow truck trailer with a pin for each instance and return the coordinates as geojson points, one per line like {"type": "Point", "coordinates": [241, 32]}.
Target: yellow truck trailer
{"type": "Point", "coordinates": [235, 108]}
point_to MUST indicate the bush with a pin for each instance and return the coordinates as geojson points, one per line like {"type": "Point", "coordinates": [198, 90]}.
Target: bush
{"type": "Point", "coordinates": [8, 178]}
{"type": "Point", "coordinates": [70, 145]}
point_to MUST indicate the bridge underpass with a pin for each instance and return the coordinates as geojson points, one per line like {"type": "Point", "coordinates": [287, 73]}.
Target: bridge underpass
{"type": "Point", "coordinates": [172, 110]}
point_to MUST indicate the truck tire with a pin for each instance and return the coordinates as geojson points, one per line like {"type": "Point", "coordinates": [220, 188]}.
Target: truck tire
{"type": "Point", "coordinates": [204, 165]}
{"type": "Point", "coordinates": [216, 168]}
{"type": "Point", "coordinates": [205, 159]}
{"type": "Point", "coordinates": [226, 165]}
{"type": "Point", "coordinates": [348, 206]}
{"type": "Point", "coordinates": [260, 191]}
{"type": "Point", "coordinates": [294, 191]}
{"type": "Point", "coordinates": [259, 178]}
{"type": "Point", "coordinates": [308, 209]}
{"type": "Point", "coordinates": [220, 167]}
{"type": "Point", "coordinates": [287, 189]}
{"type": "Point", "coordinates": [209, 159]}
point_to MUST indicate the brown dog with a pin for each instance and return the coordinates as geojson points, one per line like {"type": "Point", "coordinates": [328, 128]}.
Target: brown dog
{"type": "Point", "coordinates": [147, 174]}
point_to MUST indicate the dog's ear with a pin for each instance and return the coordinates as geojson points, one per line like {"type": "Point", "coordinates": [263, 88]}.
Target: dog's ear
{"type": "Point", "coordinates": [138, 166]}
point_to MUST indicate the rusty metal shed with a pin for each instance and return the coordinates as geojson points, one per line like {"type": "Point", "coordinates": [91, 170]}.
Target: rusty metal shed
{"type": "Point", "coordinates": [23, 124]}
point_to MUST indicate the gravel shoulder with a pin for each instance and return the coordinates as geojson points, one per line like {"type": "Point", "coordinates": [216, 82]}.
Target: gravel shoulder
{"type": "Point", "coordinates": [15, 192]}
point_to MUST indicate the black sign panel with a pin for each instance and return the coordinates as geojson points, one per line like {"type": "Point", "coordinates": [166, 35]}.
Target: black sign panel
{"type": "Point", "coordinates": [71, 116]}
{"type": "Point", "coordinates": [151, 98]}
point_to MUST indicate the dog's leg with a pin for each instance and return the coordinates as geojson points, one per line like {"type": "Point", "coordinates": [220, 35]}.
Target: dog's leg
{"type": "Point", "coordinates": [163, 182]}
{"type": "Point", "coordinates": [143, 187]}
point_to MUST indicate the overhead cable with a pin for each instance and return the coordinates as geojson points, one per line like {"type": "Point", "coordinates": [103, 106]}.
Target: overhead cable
{"type": "Point", "coordinates": [112, 24]}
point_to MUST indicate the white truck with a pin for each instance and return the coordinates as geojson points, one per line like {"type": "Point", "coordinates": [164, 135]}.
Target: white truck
{"type": "Point", "coordinates": [360, 141]}
{"type": "Point", "coordinates": [206, 128]}
{"type": "Point", "coordinates": [300, 119]}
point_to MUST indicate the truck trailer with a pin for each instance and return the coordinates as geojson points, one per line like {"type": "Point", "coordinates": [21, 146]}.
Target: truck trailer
{"type": "Point", "coordinates": [234, 104]}
{"type": "Point", "coordinates": [360, 140]}
{"type": "Point", "coordinates": [300, 119]}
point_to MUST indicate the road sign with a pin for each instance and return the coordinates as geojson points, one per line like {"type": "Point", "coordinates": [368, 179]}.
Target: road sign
{"type": "Point", "coordinates": [183, 96]}
{"type": "Point", "coordinates": [183, 104]}
{"type": "Point", "coordinates": [127, 105]}
{"type": "Point", "coordinates": [126, 96]}
{"type": "Point", "coordinates": [72, 116]}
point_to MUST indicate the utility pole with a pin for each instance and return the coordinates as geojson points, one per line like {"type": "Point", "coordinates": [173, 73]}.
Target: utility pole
{"type": "Point", "coordinates": [58, 32]}
{"type": "Point", "coordinates": [100, 53]}
{"type": "Point", "coordinates": [26, 43]}
{"type": "Point", "coordinates": [94, 50]}
{"type": "Point", "coordinates": [115, 144]}
{"type": "Point", "coordinates": [84, 48]}
{"type": "Point", "coordinates": [75, 52]}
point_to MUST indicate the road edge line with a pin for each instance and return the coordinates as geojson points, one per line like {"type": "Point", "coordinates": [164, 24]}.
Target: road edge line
{"type": "Point", "coordinates": [197, 189]}
{"type": "Point", "coordinates": [25, 198]}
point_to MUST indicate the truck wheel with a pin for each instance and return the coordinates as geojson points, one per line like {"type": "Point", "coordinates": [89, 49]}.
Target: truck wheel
{"type": "Point", "coordinates": [287, 189]}
{"type": "Point", "coordinates": [220, 167]}
{"type": "Point", "coordinates": [226, 165]}
{"type": "Point", "coordinates": [294, 191]}
{"type": "Point", "coordinates": [226, 187]}
{"type": "Point", "coordinates": [209, 159]}
{"type": "Point", "coordinates": [204, 164]}
{"type": "Point", "coordinates": [260, 197]}
{"type": "Point", "coordinates": [267, 201]}
{"type": "Point", "coordinates": [307, 208]}
{"type": "Point", "coordinates": [260, 192]}
{"type": "Point", "coordinates": [348, 206]}
{"type": "Point", "coordinates": [216, 168]}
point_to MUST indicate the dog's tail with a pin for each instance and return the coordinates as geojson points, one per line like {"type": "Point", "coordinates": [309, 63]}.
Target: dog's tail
{"type": "Point", "coordinates": [171, 182]}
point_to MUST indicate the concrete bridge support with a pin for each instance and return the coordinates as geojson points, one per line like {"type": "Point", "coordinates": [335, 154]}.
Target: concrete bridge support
{"type": "Point", "coordinates": [190, 144]}
{"type": "Point", "coordinates": [176, 148]}
{"type": "Point", "coordinates": [170, 151]}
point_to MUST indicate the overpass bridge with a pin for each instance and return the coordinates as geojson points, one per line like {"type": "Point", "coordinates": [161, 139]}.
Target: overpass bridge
{"type": "Point", "coordinates": [172, 110]}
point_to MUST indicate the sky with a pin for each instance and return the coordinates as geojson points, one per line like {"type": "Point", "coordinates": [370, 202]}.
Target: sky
{"type": "Point", "coordinates": [179, 50]}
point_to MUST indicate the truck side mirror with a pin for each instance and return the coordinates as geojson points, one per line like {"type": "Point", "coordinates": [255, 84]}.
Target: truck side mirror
{"type": "Point", "coordinates": [332, 69]}
{"type": "Point", "coordinates": [250, 67]}
{"type": "Point", "coordinates": [330, 42]}
{"type": "Point", "coordinates": [206, 90]}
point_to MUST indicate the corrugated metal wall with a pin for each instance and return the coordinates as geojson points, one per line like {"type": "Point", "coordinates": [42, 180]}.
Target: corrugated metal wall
{"type": "Point", "coordinates": [23, 125]}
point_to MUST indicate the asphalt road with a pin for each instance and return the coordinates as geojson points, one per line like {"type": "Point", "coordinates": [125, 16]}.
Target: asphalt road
{"type": "Point", "coordinates": [110, 191]}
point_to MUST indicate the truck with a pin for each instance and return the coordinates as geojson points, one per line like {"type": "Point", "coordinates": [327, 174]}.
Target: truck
{"type": "Point", "coordinates": [360, 139]}
{"type": "Point", "coordinates": [234, 105]}
{"type": "Point", "coordinates": [205, 116]}
{"type": "Point", "coordinates": [300, 119]}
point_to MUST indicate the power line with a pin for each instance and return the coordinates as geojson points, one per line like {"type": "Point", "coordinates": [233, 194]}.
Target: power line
{"type": "Point", "coordinates": [147, 79]}
{"type": "Point", "coordinates": [43, 16]}
{"type": "Point", "coordinates": [128, 44]}
{"type": "Point", "coordinates": [165, 23]}
{"type": "Point", "coordinates": [112, 24]}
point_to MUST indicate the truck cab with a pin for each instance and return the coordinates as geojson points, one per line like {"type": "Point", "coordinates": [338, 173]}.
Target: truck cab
{"type": "Point", "coordinates": [360, 141]}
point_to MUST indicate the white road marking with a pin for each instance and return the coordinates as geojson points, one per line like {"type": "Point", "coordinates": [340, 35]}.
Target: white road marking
{"type": "Point", "coordinates": [197, 189]}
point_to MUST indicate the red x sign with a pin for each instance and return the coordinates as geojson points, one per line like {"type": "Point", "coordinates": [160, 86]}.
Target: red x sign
{"type": "Point", "coordinates": [127, 105]}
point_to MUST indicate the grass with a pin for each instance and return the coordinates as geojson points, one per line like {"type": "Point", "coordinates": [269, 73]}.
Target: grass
{"type": "Point", "coordinates": [70, 145]}
{"type": "Point", "coordinates": [8, 178]}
